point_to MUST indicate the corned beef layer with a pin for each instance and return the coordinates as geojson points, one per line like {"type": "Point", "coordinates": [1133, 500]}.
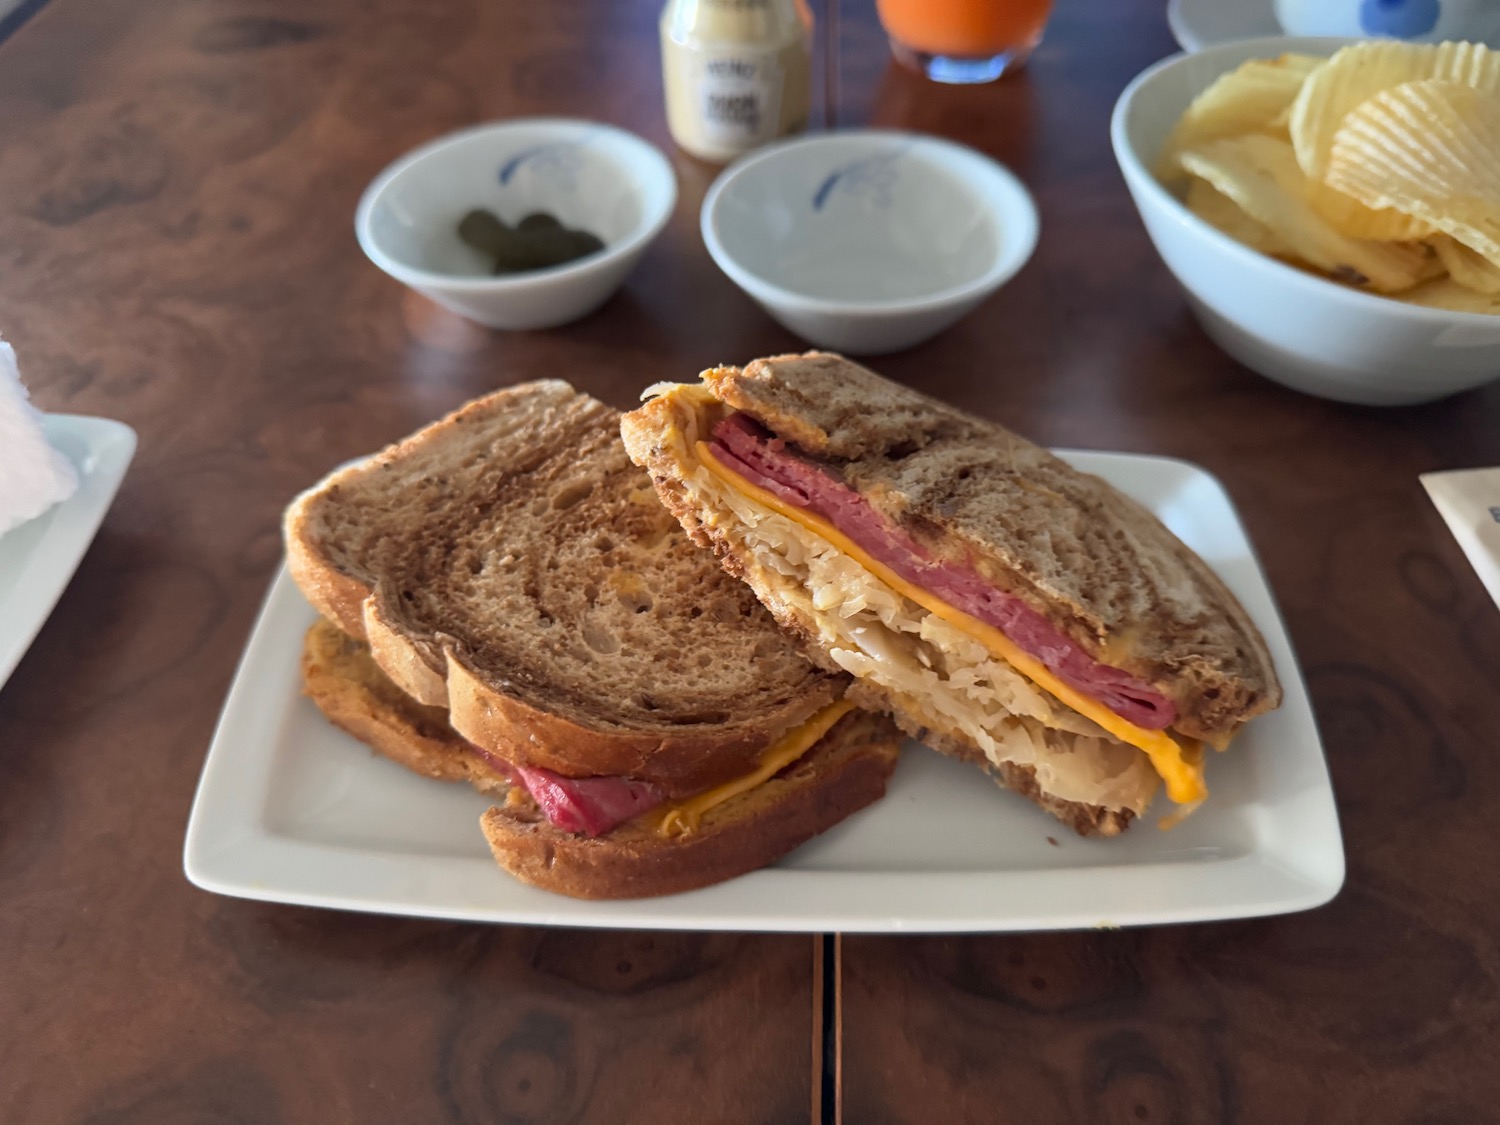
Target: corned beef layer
{"type": "Point", "coordinates": [590, 805]}
{"type": "Point", "coordinates": [744, 446]}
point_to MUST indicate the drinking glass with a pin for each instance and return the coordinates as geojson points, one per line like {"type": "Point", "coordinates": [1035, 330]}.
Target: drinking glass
{"type": "Point", "coordinates": [963, 40]}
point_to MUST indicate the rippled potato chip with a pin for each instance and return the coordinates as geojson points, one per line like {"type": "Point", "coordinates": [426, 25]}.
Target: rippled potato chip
{"type": "Point", "coordinates": [1379, 167]}
{"type": "Point", "coordinates": [1219, 211]}
{"type": "Point", "coordinates": [1428, 149]}
{"type": "Point", "coordinates": [1465, 266]}
{"type": "Point", "coordinates": [1358, 73]}
{"type": "Point", "coordinates": [1255, 97]}
{"type": "Point", "coordinates": [1352, 218]}
{"type": "Point", "coordinates": [1262, 176]}
{"type": "Point", "coordinates": [1446, 293]}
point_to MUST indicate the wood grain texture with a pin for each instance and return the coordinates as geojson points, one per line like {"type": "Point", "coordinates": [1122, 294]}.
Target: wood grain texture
{"type": "Point", "coordinates": [177, 181]}
{"type": "Point", "coordinates": [1383, 1006]}
{"type": "Point", "coordinates": [177, 186]}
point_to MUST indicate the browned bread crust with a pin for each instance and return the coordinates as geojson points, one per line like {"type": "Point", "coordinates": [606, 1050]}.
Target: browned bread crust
{"type": "Point", "coordinates": [340, 677]}
{"type": "Point", "coordinates": [1099, 566]}
{"type": "Point", "coordinates": [846, 771]}
{"type": "Point", "coordinates": [510, 563]}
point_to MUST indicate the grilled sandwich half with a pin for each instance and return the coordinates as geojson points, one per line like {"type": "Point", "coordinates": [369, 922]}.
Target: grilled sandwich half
{"type": "Point", "coordinates": [507, 603]}
{"type": "Point", "coordinates": [1003, 606]}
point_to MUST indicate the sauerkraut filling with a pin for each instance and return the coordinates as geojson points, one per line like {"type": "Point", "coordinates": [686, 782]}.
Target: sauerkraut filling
{"type": "Point", "coordinates": [950, 680]}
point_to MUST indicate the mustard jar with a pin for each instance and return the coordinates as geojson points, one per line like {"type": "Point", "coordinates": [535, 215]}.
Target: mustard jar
{"type": "Point", "coordinates": [737, 73]}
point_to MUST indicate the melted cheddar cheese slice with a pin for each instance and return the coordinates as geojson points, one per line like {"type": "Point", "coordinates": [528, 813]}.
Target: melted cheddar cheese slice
{"type": "Point", "coordinates": [684, 818]}
{"type": "Point", "coordinates": [1179, 766]}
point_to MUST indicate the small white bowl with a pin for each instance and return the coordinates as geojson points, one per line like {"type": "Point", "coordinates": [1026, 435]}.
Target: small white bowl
{"type": "Point", "coordinates": [588, 175]}
{"type": "Point", "coordinates": [868, 241]}
{"type": "Point", "coordinates": [1293, 327]}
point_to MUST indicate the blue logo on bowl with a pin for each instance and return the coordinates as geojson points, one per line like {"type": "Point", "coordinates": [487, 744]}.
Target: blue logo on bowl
{"type": "Point", "coordinates": [556, 164]}
{"type": "Point", "coordinates": [1404, 19]}
{"type": "Point", "coordinates": [873, 177]}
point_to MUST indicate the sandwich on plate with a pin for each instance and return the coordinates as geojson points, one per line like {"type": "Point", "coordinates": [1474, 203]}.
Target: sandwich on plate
{"type": "Point", "coordinates": [1003, 606]}
{"type": "Point", "coordinates": [506, 602]}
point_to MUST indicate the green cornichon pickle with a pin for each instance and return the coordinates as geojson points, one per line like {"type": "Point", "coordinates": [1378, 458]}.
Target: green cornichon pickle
{"type": "Point", "coordinates": [482, 230]}
{"type": "Point", "coordinates": [584, 244]}
{"type": "Point", "coordinates": [543, 248]}
{"type": "Point", "coordinates": [537, 242]}
{"type": "Point", "coordinates": [524, 250]}
{"type": "Point", "coordinates": [539, 220]}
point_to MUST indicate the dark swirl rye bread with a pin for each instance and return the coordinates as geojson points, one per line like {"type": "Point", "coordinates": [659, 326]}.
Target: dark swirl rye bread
{"type": "Point", "coordinates": [510, 563]}
{"type": "Point", "coordinates": [508, 592]}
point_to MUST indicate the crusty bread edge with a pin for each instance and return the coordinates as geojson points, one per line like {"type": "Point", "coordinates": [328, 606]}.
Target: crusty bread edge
{"type": "Point", "coordinates": [348, 706]}
{"type": "Point", "coordinates": [337, 596]}
{"type": "Point", "coordinates": [608, 868]}
{"type": "Point", "coordinates": [688, 764]}
{"type": "Point", "coordinates": [343, 598]}
{"type": "Point", "coordinates": [401, 659]}
{"type": "Point", "coordinates": [351, 604]}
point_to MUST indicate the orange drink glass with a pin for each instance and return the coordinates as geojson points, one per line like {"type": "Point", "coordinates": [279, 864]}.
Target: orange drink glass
{"type": "Point", "coordinates": [963, 40]}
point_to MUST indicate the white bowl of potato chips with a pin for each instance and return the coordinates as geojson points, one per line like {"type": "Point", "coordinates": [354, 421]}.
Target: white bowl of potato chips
{"type": "Point", "coordinates": [1331, 208]}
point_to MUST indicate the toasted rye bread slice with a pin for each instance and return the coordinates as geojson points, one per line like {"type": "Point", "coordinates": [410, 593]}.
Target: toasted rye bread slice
{"type": "Point", "coordinates": [510, 563]}
{"type": "Point", "coordinates": [847, 770]}
{"type": "Point", "coordinates": [1095, 563]}
{"type": "Point", "coordinates": [341, 678]}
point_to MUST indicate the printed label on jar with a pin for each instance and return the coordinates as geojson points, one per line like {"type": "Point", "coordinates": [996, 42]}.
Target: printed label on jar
{"type": "Point", "coordinates": [739, 98]}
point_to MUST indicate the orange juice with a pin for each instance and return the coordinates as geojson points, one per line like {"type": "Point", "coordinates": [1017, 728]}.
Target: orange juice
{"type": "Point", "coordinates": [965, 28]}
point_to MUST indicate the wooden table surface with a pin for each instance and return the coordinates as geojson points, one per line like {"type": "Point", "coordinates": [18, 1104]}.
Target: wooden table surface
{"type": "Point", "coordinates": [177, 181]}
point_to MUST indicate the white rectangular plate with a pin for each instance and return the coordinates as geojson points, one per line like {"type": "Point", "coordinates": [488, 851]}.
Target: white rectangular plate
{"type": "Point", "coordinates": [38, 558]}
{"type": "Point", "coordinates": [290, 809]}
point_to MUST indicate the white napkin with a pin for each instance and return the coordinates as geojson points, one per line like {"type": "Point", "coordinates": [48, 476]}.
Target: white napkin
{"type": "Point", "coordinates": [1469, 500]}
{"type": "Point", "coordinates": [33, 475]}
